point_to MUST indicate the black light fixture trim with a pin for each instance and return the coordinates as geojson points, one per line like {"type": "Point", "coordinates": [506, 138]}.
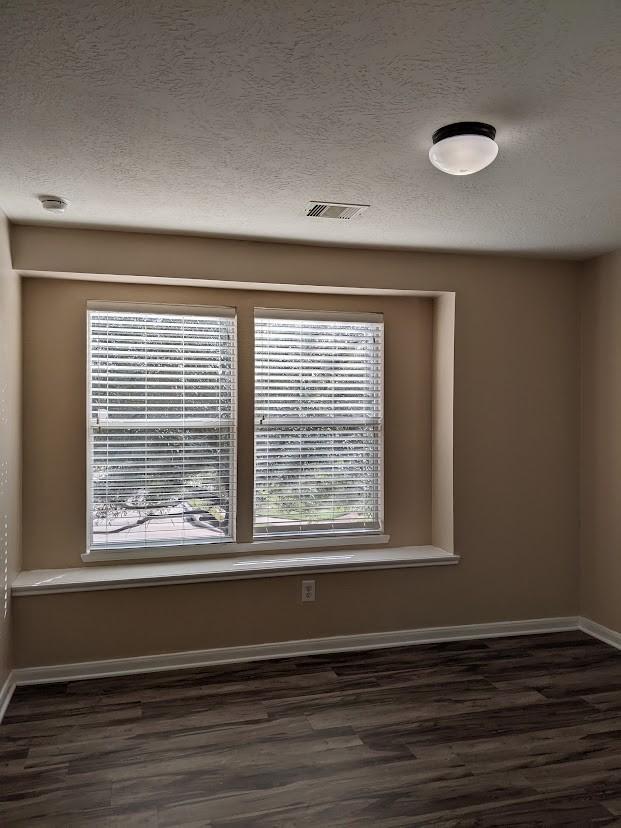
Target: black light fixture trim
{"type": "Point", "coordinates": [464, 128]}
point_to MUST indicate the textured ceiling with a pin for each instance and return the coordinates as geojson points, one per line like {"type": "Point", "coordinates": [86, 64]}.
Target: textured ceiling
{"type": "Point", "coordinates": [227, 117]}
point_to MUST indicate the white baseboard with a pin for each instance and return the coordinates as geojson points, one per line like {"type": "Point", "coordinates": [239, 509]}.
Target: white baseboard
{"type": "Point", "coordinates": [6, 692]}
{"type": "Point", "coordinates": [598, 631]}
{"type": "Point", "coordinates": [284, 649]}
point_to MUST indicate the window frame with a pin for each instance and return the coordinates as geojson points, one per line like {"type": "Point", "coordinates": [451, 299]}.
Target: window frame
{"type": "Point", "coordinates": [333, 537]}
{"type": "Point", "coordinates": [232, 546]}
{"type": "Point", "coordinates": [130, 551]}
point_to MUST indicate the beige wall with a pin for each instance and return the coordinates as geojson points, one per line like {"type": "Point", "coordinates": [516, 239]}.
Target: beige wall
{"type": "Point", "coordinates": [54, 394]}
{"type": "Point", "coordinates": [600, 542]}
{"type": "Point", "coordinates": [9, 441]}
{"type": "Point", "coordinates": [516, 434]}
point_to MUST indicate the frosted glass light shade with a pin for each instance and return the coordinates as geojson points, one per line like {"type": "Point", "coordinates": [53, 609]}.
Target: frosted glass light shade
{"type": "Point", "coordinates": [463, 154]}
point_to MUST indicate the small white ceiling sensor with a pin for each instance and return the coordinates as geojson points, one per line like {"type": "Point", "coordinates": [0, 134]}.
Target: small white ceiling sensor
{"type": "Point", "coordinates": [332, 210]}
{"type": "Point", "coordinates": [54, 204]}
{"type": "Point", "coordinates": [464, 148]}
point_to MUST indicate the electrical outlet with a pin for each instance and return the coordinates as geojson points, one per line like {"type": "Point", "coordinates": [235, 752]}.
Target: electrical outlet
{"type": "Point", "coordinates": [308, 591]}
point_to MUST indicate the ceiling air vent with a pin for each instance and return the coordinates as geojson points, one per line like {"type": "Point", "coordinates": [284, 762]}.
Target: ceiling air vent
{"type": "Point", "coordinates": [327, 209]}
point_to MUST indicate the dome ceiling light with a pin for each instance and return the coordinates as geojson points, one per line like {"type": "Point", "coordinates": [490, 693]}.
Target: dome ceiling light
{"type": "Point", "coordinates": [464, 148]}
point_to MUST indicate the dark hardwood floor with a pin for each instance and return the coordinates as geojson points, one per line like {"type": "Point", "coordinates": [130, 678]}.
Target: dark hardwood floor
{"type": "Point", "coordinates": [497, 732]}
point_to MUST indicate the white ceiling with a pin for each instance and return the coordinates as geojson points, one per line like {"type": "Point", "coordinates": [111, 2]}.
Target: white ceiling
{"type": "Point", "coordinates": [227, 117]}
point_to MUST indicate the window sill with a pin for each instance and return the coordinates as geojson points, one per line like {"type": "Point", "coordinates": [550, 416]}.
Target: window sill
{"type": "Point", "coordinates": [86, 579]}
{"type": "Point", "coordinates": [232, 549]}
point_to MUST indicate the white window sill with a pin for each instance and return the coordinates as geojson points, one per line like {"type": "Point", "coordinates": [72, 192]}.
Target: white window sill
{"type": "Point", "coordinates": [232, 549]}
{"type": "Point", "coordinates": [85, 579]}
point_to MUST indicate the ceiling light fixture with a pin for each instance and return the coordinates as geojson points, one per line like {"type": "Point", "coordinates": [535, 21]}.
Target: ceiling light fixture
{"type": "Point", "coordinates": [464, 148]}
{"type": "Point", "coordinates": [54, 204]}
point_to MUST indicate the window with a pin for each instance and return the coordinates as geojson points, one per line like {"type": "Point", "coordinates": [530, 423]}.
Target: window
{"type": "Point", "coordinates": [162, 425]}
{"type": "Point", "coordinates": [318, 424]}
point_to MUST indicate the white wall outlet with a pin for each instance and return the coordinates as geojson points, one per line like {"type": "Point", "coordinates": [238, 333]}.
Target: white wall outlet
{"type": "Point", "coordinates": [308, 591]}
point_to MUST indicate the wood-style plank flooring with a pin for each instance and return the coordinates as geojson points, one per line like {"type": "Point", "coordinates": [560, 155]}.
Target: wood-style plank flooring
{"type": "Point", "coordinates": [498, 732]}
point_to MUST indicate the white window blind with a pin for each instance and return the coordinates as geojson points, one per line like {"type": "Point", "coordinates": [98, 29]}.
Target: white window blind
{"type": "Point", "coordinates": [161, 418]}
{"type": "Point", "coordinates": [318, 424]}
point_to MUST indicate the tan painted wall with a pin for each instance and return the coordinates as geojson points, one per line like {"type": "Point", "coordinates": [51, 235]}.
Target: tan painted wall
{"type": "Point", "coordinates": [515, 455]}
{"type": "Point", "coordinates": [600, 542]}
{"type": "Point", "coordinates": [54, 393]}
{"type": "Point", "coordinates": [9, 441]}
